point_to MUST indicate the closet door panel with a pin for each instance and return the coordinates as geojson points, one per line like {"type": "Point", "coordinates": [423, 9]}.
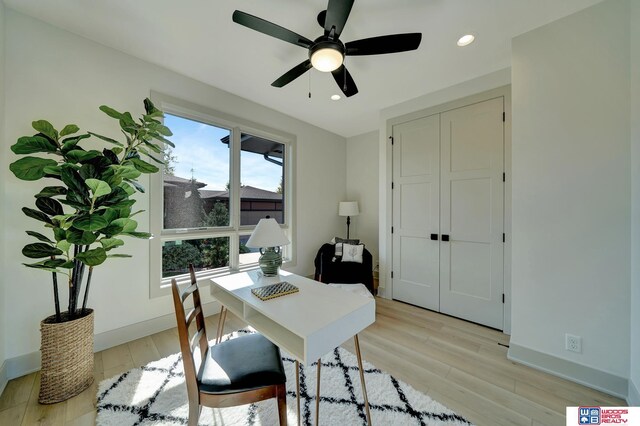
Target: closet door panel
{"type": "Point", "coordinates": [416, 210]}
{"type": "Point", "coordinates": [471, 213]}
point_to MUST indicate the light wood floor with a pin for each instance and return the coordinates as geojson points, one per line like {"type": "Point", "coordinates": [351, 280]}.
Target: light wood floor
{"type": "Point", "coordinates": [462, 365]}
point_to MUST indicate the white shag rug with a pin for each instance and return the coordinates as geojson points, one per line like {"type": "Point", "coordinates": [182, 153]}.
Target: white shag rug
{"type": "Point", "coordinates": [157, 395]}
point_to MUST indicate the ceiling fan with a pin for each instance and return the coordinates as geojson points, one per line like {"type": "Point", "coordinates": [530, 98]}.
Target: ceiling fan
{"type": "Point", "coordinates": [327, 52]}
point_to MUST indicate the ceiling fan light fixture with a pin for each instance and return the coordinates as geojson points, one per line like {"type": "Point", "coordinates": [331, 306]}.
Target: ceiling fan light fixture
{"type": "Point", "coordinates": [326, 59]}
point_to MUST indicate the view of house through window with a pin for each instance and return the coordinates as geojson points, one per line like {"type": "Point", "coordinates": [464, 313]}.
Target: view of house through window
{"type": "Point", "coordinates": [198, 196]}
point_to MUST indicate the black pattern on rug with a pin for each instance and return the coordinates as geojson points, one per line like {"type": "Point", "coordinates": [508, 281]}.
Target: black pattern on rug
{"type": "Point", "coordinates": [155, 394]}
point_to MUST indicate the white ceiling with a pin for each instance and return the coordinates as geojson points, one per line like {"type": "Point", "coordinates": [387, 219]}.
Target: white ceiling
{"type": "Point", "coordinates": [197, 38]}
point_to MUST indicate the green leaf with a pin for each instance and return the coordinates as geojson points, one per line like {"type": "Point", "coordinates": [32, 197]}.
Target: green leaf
{"type": "Point", "coordinates": [44, 127]}
{"type": "Point", "coordinates": [37, 215]}
{"type": "Point", "coordinates": [93, 257]}
{"type": "Point", "coordinates": [31, 168]}
{"type": "Point", "coordinates": [75, 236]}
{"type": "Point", "coordinates": [111, 112]}
{"type": "Point", "coordinates": [136, 185]}
{"type": "Point", "coordinates": [126, 172]}
{"type": "Point", "coordinates": [149, 107]}
{"type": "Point", "coordinates": [127, 188]}
{"type": "Point", "coordinates": [117, 150]}
{"type": "Point", "coordinates": [143, 166]}
{"type": "Point", "coordinates": [164, 131]}
{"type": "Point", "coordinates": [162, 139]}
{"type": "Point", "coordinates": [39, 236]}
{"type": "Point", "coordinates": [92, 222]}
{"type": "Point", "coordinates": [78, 155]}
{"type": "Point", "coordinates": [110, 215]}
{"type": "Point", "coordinates": [110, 243]}
{"type": "Point", "coordinates": [127, 225]}
{"type": "Point", "coordinates": [52, 171]}
{"type": "Point", "coordinates": [119, 255]}
{"type": "Point", "coordinates": [78, 191]}
{"type": "Point", "coordinates": [51, 191]}
{"type": "Point", "coordinates": [69, 144]}
{"type": "Point", "coordinates": [111, 230]}
{"type": "Point", "coordinates": [54, 263]}
{"type": "Point", "coordinates": [65, 220]}
{"type": "Point", "coordinates": [64, 245]}
{"type": "Point", "coordinates": [126, 121]}
{"type": "Point", "coordinates": [123, 204]}
{"type": "Point", "coordinates": [98, 187]}
{"type": "Point", "coordinates": [153, 147]}
{"type": "Point", "coordinates": [69, 129]}
{"type": "Point", "coordinates": [32, 144]}
{"type": "Point", "coordinates": [106, 139]}
{"type": "Point", "coordinates": [42, 267]}
{"type": "Point", "coordinates": [59, 234]}
{"type": "Point", "coordinates": [143, 235]}
{"type": "Point", "coordinates": [49, 206]}
{"type": "Point", "coordinates": [39, 250]}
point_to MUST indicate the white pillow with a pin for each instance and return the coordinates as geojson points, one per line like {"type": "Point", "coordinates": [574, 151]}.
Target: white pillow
{"type": "Point", "coordinates": [352, 253]}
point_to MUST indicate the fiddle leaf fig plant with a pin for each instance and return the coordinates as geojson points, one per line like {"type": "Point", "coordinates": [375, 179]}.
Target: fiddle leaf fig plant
{"type": "Point", "coordinates": [87, 205]}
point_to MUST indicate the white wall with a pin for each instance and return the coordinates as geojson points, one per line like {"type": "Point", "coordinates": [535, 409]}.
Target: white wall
{"type": "Point", "coordinates": [634, 384]}
{"type": "Point", "coordinates": [362, 186]}
{"type": "Point", "coordinates": [3, 166]}
{"type": "Point", "coordinates": [56, 75]}
{"type": "Point", "coordinates": [571, 186]}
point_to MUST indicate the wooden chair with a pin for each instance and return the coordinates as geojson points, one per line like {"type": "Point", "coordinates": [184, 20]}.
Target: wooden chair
{"type": "Point", "coordinates": [236, 372]}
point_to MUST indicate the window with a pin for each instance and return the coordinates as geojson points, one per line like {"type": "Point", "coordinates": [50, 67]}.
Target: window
{"type": "Point", "coordinates": [222, 177]}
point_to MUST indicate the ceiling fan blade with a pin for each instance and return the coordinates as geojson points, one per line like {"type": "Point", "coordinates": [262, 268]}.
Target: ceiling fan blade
{"type": "Point", "coordinates": [292, 74]}
{"type": "Point", "coordinates": [271, 29]}
{"type": "Point", "coordinates": [337, 14]}
{"type": "Point", "coordinates": [393, 43]}
{"type": "Point", "coordinates": [345, 81]}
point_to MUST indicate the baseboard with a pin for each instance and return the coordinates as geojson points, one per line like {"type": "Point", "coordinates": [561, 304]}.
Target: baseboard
{"type": "Point", "coordinates": [4, 377]}
{"type": "Point", "coordinates": [587, 376]}
{"type": "Point", "coordinates": [634, 395]}
{"type": "Point", "coordinates": [116, 337]}
{"type": "Point", "coordinates": [28, 363]}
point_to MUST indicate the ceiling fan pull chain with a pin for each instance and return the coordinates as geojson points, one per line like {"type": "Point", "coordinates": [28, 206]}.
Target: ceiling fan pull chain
{"type": "Point", "coordinates": [309, 85]}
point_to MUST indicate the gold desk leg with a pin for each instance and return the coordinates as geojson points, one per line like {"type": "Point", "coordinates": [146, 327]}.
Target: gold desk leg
{"type": "Point", "coordinates": [318, 393]}
{"type": "Point", "coordinates": [222, 317]}
{"type": "Point", "coordinates": [364, 387]}
{"type": "Point", "coordinates": [298, 389]}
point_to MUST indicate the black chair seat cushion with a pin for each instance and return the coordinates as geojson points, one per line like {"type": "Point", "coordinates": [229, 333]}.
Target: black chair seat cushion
{"type": "Point", "coordinates": [245, 363]}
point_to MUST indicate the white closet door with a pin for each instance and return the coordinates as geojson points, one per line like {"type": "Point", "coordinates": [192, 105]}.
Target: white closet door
{"type": "Point", "coordinates": [416, 174]}
{"type": "Point", "coordinates": [471, 209]}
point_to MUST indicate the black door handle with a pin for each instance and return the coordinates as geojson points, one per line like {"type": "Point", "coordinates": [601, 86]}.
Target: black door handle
{"type": "Point", "coordinates": [434, 237]}
{"type": "Point", "coordinates": [445, 237]}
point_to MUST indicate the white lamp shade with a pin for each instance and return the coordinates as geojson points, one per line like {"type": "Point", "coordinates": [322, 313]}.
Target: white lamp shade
{"type": "Point", "coordinates": [326, 60]}
{"type": "Point", "coordinates": [348, 208]}
{"type": "Point", "coordinates": [267, 234]}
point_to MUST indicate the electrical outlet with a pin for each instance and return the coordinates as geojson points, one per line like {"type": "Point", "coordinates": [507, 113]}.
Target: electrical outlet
{"type": "Point", "coordinates": [573, 343]}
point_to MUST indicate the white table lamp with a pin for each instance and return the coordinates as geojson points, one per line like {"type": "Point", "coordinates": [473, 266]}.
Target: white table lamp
{"type": "Point", "coordinates": [268, 237]}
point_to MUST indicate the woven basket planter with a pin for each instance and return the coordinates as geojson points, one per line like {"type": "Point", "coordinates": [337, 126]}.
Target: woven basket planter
{"type": "Point", "coordinates": [67, 357]}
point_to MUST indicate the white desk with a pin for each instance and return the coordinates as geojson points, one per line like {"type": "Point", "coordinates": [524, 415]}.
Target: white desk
{"type": "Point", "coordinates": [307, 324]}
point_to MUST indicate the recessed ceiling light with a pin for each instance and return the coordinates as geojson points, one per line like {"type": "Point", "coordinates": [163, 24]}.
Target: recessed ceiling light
{"type": "Point", "coordinates": [466, 40]}
{"type": "Point", "coordinates": [335, 97]}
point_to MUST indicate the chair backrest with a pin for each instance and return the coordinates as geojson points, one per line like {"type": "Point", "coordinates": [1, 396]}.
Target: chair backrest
{"type": "Point", "coordinates": [188, 342]}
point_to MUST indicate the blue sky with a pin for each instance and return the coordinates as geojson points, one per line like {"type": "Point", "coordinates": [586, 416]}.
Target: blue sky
{"type": "Point", "coordinates": [198, 148]}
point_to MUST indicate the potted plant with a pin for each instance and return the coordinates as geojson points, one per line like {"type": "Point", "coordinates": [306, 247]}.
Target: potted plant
{"type": "Point", "coordinates": [86, 209]}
